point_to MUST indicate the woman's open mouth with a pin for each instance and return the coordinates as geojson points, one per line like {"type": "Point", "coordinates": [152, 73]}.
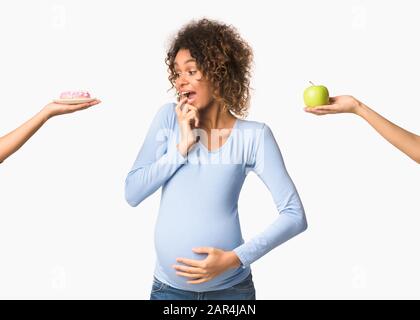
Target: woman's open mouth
{"type": "Point", "coordinates": [191, 95]}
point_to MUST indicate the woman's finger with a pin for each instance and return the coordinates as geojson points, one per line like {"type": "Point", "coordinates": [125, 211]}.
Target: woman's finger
{"type": "Point", "coordinates": [185, 107]}
{"type": "Point", "coordinates": [322, 107]}
{"type": "Point", "coordinates": [198, 281]}
{"type": "Point", "coordinates": [189, 269]}
{"type": "Point", "coordinates": [193, 120]}
{"type": "Point", "coordinates": [94, 102]}
{"type": "Point", "coordinates": [310, 110]}
{"type": "Point", "coordinates": [193, 108]}
{"type": "Point", "coordinates": [190, 262]}
{"type": "Point", "coordinates": [196, 117]}
{"type": "Point", "coordinates": [81, 106]}
{"type": "Point", "coordinates": [178, 107]}
{"type": "Point", "coordinates": [72, 108]}
{"type": "Point", "coordinates": [189, 275]}
{"type": "Point", "coordinates": [321, 112]}
{"type": "Point", "coordinates": [189, 107]}
{"type": "Point", "coordinates": [192, 115]}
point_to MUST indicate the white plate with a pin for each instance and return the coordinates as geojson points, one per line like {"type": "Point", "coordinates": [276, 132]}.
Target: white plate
{"type": "Point", "coordinates": [73, 101]}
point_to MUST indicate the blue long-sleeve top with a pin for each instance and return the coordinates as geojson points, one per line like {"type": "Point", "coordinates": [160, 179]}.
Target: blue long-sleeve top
{"type": "Point", "coordinates": [200, 192]}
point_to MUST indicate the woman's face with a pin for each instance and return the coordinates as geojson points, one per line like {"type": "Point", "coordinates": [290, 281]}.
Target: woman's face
{"type": "Point", "coordinates": [190, 80]}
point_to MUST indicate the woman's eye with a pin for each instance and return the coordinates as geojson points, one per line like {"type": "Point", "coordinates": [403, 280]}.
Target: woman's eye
{"type": "Point", "coordinates": [190, 73]}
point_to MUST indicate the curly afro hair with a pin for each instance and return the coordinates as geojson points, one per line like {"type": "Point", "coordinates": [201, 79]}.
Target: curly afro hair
{"type": "Point", "coordinates": [223, 57]}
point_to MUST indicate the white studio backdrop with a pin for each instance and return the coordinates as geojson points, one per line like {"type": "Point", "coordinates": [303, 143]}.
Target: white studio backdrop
{"type": "Point", "coordinates": [65, 229]}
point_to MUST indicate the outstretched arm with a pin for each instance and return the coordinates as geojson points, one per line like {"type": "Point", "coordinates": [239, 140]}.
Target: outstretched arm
{"type": "Point", "coordinates": [406, 141]}
{"type": "Point", "coordinates": [12, 141]}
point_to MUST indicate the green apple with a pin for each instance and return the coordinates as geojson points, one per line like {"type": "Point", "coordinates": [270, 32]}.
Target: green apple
{"type": "Point", "coordinates": [314, 96]}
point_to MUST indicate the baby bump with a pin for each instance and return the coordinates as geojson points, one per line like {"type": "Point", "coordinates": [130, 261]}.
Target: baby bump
{"type": "Point", "coordinates": [175, 238]}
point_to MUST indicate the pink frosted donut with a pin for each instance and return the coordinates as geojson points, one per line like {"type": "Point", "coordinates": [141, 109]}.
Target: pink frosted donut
{"type": "Point", "coordinates": [74, 95]}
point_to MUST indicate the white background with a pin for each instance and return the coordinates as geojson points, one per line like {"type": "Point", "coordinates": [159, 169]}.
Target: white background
{"type": "Point", "coordinates": [65, 229]}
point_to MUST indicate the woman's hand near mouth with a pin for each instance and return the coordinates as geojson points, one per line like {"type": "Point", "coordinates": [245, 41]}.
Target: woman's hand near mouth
{"type": "Point", "coordinates": [188, 118]}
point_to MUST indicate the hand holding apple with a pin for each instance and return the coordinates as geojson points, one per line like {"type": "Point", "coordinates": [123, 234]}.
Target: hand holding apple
{"type": "Point", "coordinates": [314, 96]}
{"type": "Point", "coordinates": [339, 104]}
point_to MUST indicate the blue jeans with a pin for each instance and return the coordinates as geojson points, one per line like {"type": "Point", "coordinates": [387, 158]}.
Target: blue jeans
{"type": "Point", "coordinates": [244, 290]}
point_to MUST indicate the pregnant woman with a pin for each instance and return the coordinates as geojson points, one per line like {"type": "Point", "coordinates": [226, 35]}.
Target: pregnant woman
{"type": "Point", "coordinates": [11, 142]}
{"type": "Point", "coordinates": [200, 152]}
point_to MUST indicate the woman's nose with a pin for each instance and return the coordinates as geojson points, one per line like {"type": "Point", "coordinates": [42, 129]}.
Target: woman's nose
{"type": "Point", "coordinates": [181, 81]}
{"type": "Point", "coordinates": [183, 78]}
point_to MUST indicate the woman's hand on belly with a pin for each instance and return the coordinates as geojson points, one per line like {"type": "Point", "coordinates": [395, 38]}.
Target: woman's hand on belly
{"type": "Point", "coordinates": [217, 262]}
